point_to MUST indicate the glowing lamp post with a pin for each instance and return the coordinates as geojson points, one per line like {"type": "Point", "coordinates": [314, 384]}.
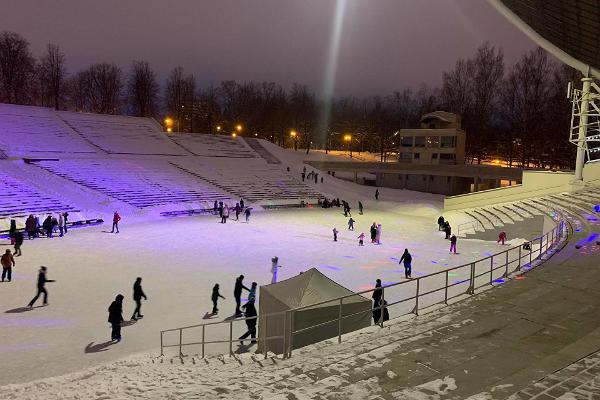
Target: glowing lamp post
{"type": "Point", "coordinates": [169, 124]}
{"type": "Point", "coordinates": [348, 138]}
{"type": "Point", "coordinates": [238, 128]}
{"type": "Point", "coordinates": [294, 135]}
{"type": "Point", "coordinates": [218, 128]}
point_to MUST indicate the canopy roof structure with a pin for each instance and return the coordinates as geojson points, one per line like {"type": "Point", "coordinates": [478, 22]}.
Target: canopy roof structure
{"type": "Point", "coordinates": [568, 29]}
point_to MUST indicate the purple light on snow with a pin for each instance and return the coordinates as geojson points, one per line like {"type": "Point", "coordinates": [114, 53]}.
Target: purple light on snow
{"type": "Point", "coordinates": [35, 322]}
{"type": "Point", "coordinates": [331, 267]}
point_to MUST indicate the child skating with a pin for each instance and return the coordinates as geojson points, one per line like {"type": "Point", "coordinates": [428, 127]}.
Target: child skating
{"type": "Point", "coordinates": [351, 224]}
{"type": "Point", "coordinates": [215, 298]}
{"type": "Point", "coordinates": [453, 244]}
{"type": "Point", "coordinates": [335, 233]}
{"type": "Point", "coordinates": [361, 239]}
{"type": "Point", "coordinates": [274, 269]}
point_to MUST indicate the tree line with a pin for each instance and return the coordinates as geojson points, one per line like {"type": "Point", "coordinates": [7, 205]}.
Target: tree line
{"type": "Point", "coordinates": [519, 113]}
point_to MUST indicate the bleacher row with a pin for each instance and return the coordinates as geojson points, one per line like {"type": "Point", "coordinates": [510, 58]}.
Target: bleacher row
{"type": "Point", "coordinates": [213, 145]}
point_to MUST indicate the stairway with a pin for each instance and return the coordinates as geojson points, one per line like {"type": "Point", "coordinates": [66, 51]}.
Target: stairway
{"type": "Point", "coordinates": [257, 146]}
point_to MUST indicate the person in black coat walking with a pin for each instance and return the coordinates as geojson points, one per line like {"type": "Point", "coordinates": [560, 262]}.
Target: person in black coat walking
{"type": "Point", "coordinates": [250, 323]}
{"type": "Point", "coordinates": [138, 294]}
{"type": "Point", "coordinates": [376, 194]}
{"type": "Point", "coordinates": [41, 287]}
{"type": "Point", "coordinates": [215, 298]}
{"type": "Point", "coordinates": [18, 243]}
{"type": "Point", "coordinates": [407, 259]}
{"type": "Point", "coordinates": [447, 229]}
{"type": "Point", "coordinates": [373, 232]}
{"type": "Point", "coordinates": [115, 317]}
{"type": "Point", "coordinates": [377, 294]}
{"type": "Point", "coordinates": [237, 293]}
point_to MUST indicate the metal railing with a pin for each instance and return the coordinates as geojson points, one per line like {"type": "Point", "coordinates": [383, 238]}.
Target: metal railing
{"type": "Point", "coordinates": [406, 297]}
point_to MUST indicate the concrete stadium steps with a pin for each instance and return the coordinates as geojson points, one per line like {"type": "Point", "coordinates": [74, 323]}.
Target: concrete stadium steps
{"type": "Point", "coordinates": [254, 183]}
{"type": "Point", "coordinates": [32, 131]}
{"type": "Point", "coordinates": [118, 134]}
{"type": "Point", "coordinates": [257, 146]}
{"type": "Point", "coordinates": [207, 145]}
{"type": "Point", "coordinates": [140, 183]}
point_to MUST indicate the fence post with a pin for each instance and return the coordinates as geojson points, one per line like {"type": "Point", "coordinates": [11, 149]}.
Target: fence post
{"type": "Point", "coordinates": [552, 236]}
{"type": "Point", "coordinates": [266, 331]}
{"type": "Point", "coordinates": [291, 344]}
{"type": "Point", "coordinates": [231, 338]}
{"type": "Point", "coordinates": [491, 269]}
{"type": "Point", "coordinates": [381, 306]}
{"type": "Point", "coordinates": [203, 339]}
{"type": "Point", "coordinates": [541, 245]}
{"type": "Point", "coordinates": [416, 310]}
{"type": "Point", "coordinates": [161, 344]}
{"type": "Point", "coordinates": [340, 321]}
{"type": "Point", "coordinates": [471, 289]}
{"type": "Point", "coordinates": [446, 290]}
{"type": "Point", "coordinates": [180, 340]}
{"type": "Point", "coordinates": [519, 263]}
{"type": "Point", "coordinates": [285, 334]}
{"type": "Point", "coordinates": [506, 270]}
{"type": "Point", "coordinates": [531, 252]}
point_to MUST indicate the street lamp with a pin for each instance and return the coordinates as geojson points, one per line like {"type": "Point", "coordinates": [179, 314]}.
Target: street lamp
{"type": "Point", "coordinates": [348, 138]}
{"type": "Point", "coordinates": [168, 124]}
{"type": "Point", "coordinates": [234, 134]}
{"type": "Point", "coordinates": [218, 128]}
{"type": "Point", "coordinates": [238, 128]}
{"type": "Point", "coordinates": [294, 135]}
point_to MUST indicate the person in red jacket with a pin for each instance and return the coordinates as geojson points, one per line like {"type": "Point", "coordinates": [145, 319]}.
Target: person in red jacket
{"type": "Point", "coordinates": [116, 219]}
{"type": "Point", "coordinates": [502, 237]}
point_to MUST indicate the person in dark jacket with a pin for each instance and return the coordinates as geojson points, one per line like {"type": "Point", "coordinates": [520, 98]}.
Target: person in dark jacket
{"type": "Point", "coordinates": [215, 208]}
{"type": "Point", "coordinates": [115, 225]}
{"type": "Point", "coordinates": [250, 323]}
{"type": "Point", "coordinates": [138, 294]}
{"type": "Point", "coordinates": [242, 203]}
{"type": "Point", "coordinates": [47, 225]}
{"type": "Point", "coordinates": [237, 293]}
{"type": "Point", "coordinates": [407, 260]}
{"type": "Point", "coordinates": [41, 287]}
{"type": "Point", "coordinates": [12, 230]}
{"type": "Point", "coordinates": [30, 227]}
{"type": "Point", "coordinates": [376, 194]}
{"type": "Point", "coordinates": [7, 262]}
{"type": "Point", "coordinates": [373, 232]}
{"type": "Point", "coordinates": [453, 241]}
{"type": "Point", "coordinates": [377, 294]}
{"type": "Point", "coordinates": [447, 230]}
{"type": "Point", "coordinates": [215, 298]}
{"type": "Point", "coordinates": [247, 214]}
{"type": "Point", "coordinates": [115, 317]}
{"type": "Point", "coordinates": [65, 220]}
{"type": "Point", "coordinates": [441, 223]}
{"type": "Point", "coordinates": [18, 243]}
{"type": "Point", "coordinates": [238, 210]}
{"type": "Point", "coordinates": [360, 208]}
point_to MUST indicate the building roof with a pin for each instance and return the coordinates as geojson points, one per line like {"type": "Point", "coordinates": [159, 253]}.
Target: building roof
{"type": "Point", "coordinates": [568, 29]}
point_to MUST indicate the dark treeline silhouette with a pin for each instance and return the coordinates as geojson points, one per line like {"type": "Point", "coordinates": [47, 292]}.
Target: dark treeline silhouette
{"type": "Point", "coordinates": [519, 114]}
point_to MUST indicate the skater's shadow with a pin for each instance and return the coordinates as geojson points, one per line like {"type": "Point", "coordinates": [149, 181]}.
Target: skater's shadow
{"type": "Point", "coordinates": [232, 317]}
{"type": "Point", "coordinates": [244, 348]}
{"type": "Point", "coordinates": [98, 347]}
{"type": "Point", "coordinates": [108, 232]}
{"type": "Point", "coordinates": [208, 315]}
{"type": "Point", "coordinates": [20, 310]}
{"type": "Point", "coordinates": [128, 323]}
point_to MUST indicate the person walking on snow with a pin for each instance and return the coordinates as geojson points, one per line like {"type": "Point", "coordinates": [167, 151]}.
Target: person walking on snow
{"type": "Point", "coordinates": [377, 294]}
{"type": "Point", "coordinates": [440, 222]}
{"type": "Point", "coordinates": [361, 239]}
{"type": "Point", "coordinates": [237, 211]}
{"type": "Point", "coordinates": [453, 244]}
{"type": "Point", "coordinates": [373, 232]}
{"type": "Point", "coordinates": [41, 287]}
{"type": "Point", "coordinates": [407, 260]}
{"type": "Point", "coordinates": [376, 194]}
{"type": "Point", "coordinates": [274, 269]}
{"type": "Point", "coordinates": [7, 262]}
{"type": "Point", "coordinates": [501, 237]}
{"type": "Point", "coordinates": [250, 323]}
{"type": "Point", "coordinates": [138, 294]}
{"type": "Point", "coordinates": [115, 318]}
{"type": "Point", "coordinates": [335, 232]}
{"type": "Point", "coordinates": [242, 204]}
{"type": "Point", "coordinates": [61, 223]}
{"type": "Point", "coordinates": [215, 298]}
{"type": "Point", "coordinates": [351, 224]}
{"type": "Point", "coordinates": [251, 294]}
{"type": "Point", "coordinates": [30, 227]}
{"type": "Point", "coordinates": [247, 214]}
{"type": "Point", "coordinates": [115, 225]}
{"type": "Point", "coordinates": [237, 294]}
{"type": "Point", "coordinates": [360, 208]}
{"type": "Point", "coordinates": [215, 208]}
{"type": "Point", "coordinates": [378, 234]}
{"type": "Point", "coordinates": [65, 220]}
{"type": "Point", "coordinates": [447, 229]}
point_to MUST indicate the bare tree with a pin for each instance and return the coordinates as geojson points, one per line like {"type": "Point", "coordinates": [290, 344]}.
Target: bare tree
{"type": "Point", "coordinates": [16, 68]}
{"type": "Point", "coordinates": [142, 89]}
{"type": "Point", "coordinates": [98, 89]}
{"type": "Point", "coordinates": [303, 110]}
{"type": "Point", "coordinates": [52, 75]}
{"type": "Point", "coordinates": [180, 91]}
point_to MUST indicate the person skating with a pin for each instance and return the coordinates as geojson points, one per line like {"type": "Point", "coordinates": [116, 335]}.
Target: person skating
{"type": "Point", "coordinates": [347, 206]}
{"type": "Point", "coordinates": [47, 226]}
{"type": "Point", "coordinates": [215, 208]}
{"type": "Point", "coordinates": [378, 234]}
{"type": "Point", "coordinates": [30, 227]}
{"type": "Point", "coordinates": [138, 294]}
{"type": "Point", "coordinates": [351, 224]}
{"type": "Point", "coordinates": [221, 209]}
{"type": "Point", "coordinates": [361, 239]}
{"type": "Point", "coordinates": [274, 269]}
{"type": "Point", "coordinates": [41, 287]}
{"type": "Point", "coordinates": [335, 232]}
{"type": "Point", "coordinates": [373, 232]}
{"type": "Point", "coordinates": [242, 203]}
{"type": "Point", "coordinates": [250, 314]}
{"type": "Point", "coordinates": [303, 174]}
{"type": "Point", "coordinates": [440, 222]}
{"type": "Point", "coordinates": [501, 237]}
{"type": "Point", "coordinates": [54, 224]}
{"type": "Point", "coordinates": [65, 220]}
{"type": "Point", "coordinates": [377, 294]}
{"type": "Point", "coordinates": [251, 294]}
{"type": "Point", "coordinates": [447, 230]}
{"type": "Point", "coordinates": [360, 208]}
{"type": "Point", "coordinates": [115, 225]}
{"type": "Point", "coordinates": [115, 318]}
{"type": "Point", "coordinates": [453, 244]}
{"type": "Point", "coordinates": [18, 243]}
{"type": "Point", "coordinates": [407, 260]}
{"type": "Point", "coordinates": [225, 214]}
{"type": "Point", "coordinates": [237, 294]}
{"type": "Point", "coordinates": [61, 223]}
{"type": "Point", "coordinates": [376, 194]}
{"type": "Point", "coordinates": [7, 262]}
{"type": "Point", "coordinates": [237, 211]}
{"type": "Point", "coordinates": [247, 214]}
{"type": "Point", "coordinates": [215, 298]}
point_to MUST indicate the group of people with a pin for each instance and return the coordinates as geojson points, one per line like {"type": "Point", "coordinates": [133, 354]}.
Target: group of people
{"type": "Point", "coordinates": [223, 210]}
{"type": "Point", "coordinates": [115, 310]}
{"type": "Point", "coordinates": [444, 225]}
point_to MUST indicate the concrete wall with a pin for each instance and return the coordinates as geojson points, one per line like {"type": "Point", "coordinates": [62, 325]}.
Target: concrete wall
{"type": "Point", "coordinates": [446, 185]}
{"type": "Point", "coordinates": [535, 183]}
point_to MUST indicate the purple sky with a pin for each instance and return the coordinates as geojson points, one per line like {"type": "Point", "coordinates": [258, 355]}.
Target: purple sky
{"type": "Point", "coordinates": [386, 44]}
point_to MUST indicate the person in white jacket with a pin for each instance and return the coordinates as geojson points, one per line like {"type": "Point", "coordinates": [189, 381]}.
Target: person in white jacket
{"type": "Point", "coordinates": [61, 224]}
{"type": "Point", "coordinates": [274, 269]}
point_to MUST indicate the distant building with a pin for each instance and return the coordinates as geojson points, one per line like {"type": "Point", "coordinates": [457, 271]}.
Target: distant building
{"type": "Point", "coordinates": [440, 140]}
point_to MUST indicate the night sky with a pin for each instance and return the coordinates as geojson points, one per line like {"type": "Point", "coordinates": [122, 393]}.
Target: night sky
{"type": "Point", "coordinates": [386, 44]}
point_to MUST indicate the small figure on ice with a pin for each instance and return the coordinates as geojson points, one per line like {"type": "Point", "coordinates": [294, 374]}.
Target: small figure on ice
{"type": "Point", "coordinates": [360, 208]}
{"type": "Point", "coordinates": [440, 222]}
{"type": "Point", "coordinates": [237, 294]}
{"type": "Point", "coordinates": [373, 232]}
{"type": "Point", "coordinates": [115, 225]}
{"type": "Point", "coordinates": [247, 214]}
{"type": "Point", "coordinates": [138, 294]}
{"type": "Point", "coordinates": [447, 229]}
{"type": "Point", "coordinates": [378, 234]}
{"type": "Point", "coordinates": [41, 287]}
{"type": "Point", "coordinates": [407, 260]}
{"type": "Point", "coordinates": [376, 194]}
{"type": "Point", "coordinates": [361, 239]}
{"type": "Point", "coordinates": [453, 244]}
{"type": "Point", "coordinates": [8, 262]}
{"type": "Point", "coordinates": [274, 269]}
{"type": "Point", "coordinates": [215, 298]}
{"type": "Point", "coordinates": [335, 233]}
{"type": "Point", "coordinates": [501, 237]}
{"type": "Point", "coordinates": [351, 224]}
{"type": "Point", "coordinates": [115, 318]}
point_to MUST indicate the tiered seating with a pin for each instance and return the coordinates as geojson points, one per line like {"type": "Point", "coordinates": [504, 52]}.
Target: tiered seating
{"type": "Point", "coordinates": [28, 131]}
{"type": "Point", "coordinates": [136, 182]}
{"type": "Point", "coordinates": [257, 146]}
{"type": "Point", "coordinates": [256, 182]}
{"type": "Point", "coordinates": [121, 135]}
{"type": "Point", "coordinates": [213, 145]}
{"type": "Point", "coordinates": [19, 200]}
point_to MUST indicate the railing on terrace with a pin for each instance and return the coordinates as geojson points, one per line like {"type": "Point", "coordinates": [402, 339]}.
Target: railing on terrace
{"type": "Point", "coordinates": [404, 298]}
